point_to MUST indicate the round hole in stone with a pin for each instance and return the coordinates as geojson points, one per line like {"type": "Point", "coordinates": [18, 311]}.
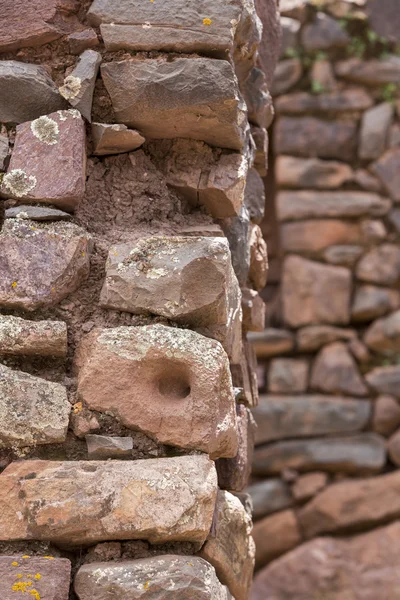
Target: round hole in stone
{"type": "Point", "coordinates": [173, 386]}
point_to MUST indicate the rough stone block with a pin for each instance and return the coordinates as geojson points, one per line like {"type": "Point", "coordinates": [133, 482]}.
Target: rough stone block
{"type": "Point", "coordinates": [383, 335]}
{"type": "Point", "coordinates": [287, 375]}
{"type": "Point", "coordinates": [381, 265]}
{"type": "Point", "coordinates": [186, 279]}
{"type": "Point", "coordinates": [324, 33]}
{"type": "Point", "coordinates": [195, 98]}
{"type": "Point", "coordinates": [269, 496]}
{"type": "Point", "coordinates": [386, 417]}
{"type": "Point", "coordinates": [313, 337]}
{"type": "Point", "coordinates": [394, 448]}
{"type": "Point", "coordinates": [260, 138]}
{"type": "Point", "coordinates": [274, 535]}
{"type": "Point", "coordinates": [387, 169]}
{"type": "Point", "coordinates": [82, 40]}
{"type": "Point", "coordinates": [231, 551]}
{"type": "Point", "coordinates": [114, 139]}
{"type": "Point", "coordinates": [26, 92]}
{"type": "Point", "coordinates": [272, 342]}
{"type": "Point", "coordinates": [173, 385]}
{"type": "Point", "coordinates": [179, 577]}
{"type": "Point", "coordinates": [313, 236]}
{"type": "Point", "coordinates": [280, 417]}
{"type": "Point", "coordinates": [254, 196]}
{"type": "Point", "coordinates": [258, 271]}
{"type": "Point", "coordinates": [110, 500]}
{"type": "Point", "coordinates": [385, 380]}
{"type": "Point", "coordinates": [45, 148]}
{"type": "Point", "coordinates": [308, 485]}
{"type": "Point", "coordinates": [374, 131]}
{"type": "Point", "coordinates": [343, 255]}
{"type": "Point", "coordinates": [258, 99]}
{"type": "Point", "coordinates": [286, 75]}
{"type": "Point", "coordinates": [41, 264]}
{"type": "Point", "coordinates": [43, 577]}
{"type": "Point", "coordinates": [78, 87]}
{"type": "Point", "coordinates": [35, 338]}
{"type": "Point", "coordinates": [335, 371]}
{"type": "Point", "coordinates": [237, 230]}
{"type": "Point", "coordinates": [102, 447]}
{"type": "Point", "coordinates": [332, 102]}
{"type": "Point", "coordinates": [253, 308]}
{"type": "Point", "coordinates": [33, 411]}
{"type": "Point", "coordinates": [371, 301]}
{"type": "Point", "coordinates": [36, 213]}
{"type": "Point", "coordinates": [370, 72]}
{"type": "Point", "coordinates": [295, 172]}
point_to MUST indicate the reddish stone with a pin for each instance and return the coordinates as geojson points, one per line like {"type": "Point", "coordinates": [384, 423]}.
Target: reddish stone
{"type": "Point", "coordinates": [383, 18]}
{"type": "Point", "coordinates": [82, 40]}
{"type": "Point", "coordinates": [253, 308]}
{"type": "Point", "coordinates": [342, 255]}
{"type": "Point", "coordinates": [394, 448]}
{"type": "Point", "coordinates": [271, 36]}
{"type": "Point", "coordinates": [380, 265]}
{"type": "Point", "coordinates": [260, 137]}
{"type": "Point", "coordinates": [335, 371]}
{"type": "Point", "coordinates": [43, 577]}
{"type": "Point", "coordinates": [306, 486]}
{"type": "Point", "coordinates": [322, 75]}
{"type": "Point", "coordinates": [387, 168]}
{"type": "Point", "coordinates": [383, 335]}
{"type": "Point", "coordinates": [337, 102]}
{"type": "Point", "coordinates": [324, 33]}
{"type": "Point", "coordinates": [313, 236]}
{"type": "Point", "coordinates": [295, 172]}
{"type": "Point", "coordinates": [386, 417]}
{"type": "Point", "coordinates": [370, 72]}
{"type": "Point", "coordinates": [287, 375]}
{"type": "Point", "coordinates": [385, 380]}
{"type": "Point", "coordinates": [374, 131]}
{"type": "Point", "coordinates": [311, 338]}
{"type": "Point", "coordinates": [38, 338]}
{"type": "Point", "coordinates": [287, 74]}
{"type": "Point", "coordinates": [274, 535]}
{"type": "Point", "coordinates": [272, 342]}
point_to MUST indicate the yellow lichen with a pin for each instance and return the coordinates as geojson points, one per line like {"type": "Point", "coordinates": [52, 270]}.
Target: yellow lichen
{"type": "Point", "coordinates": [146, 585]}
{"type": "Point", "coordinates": [26, 556]}
{"type": "Point", "coordinates": [14, 285]}
{"type": "Point", "coordinates": [19, 576]}
{"type": "Point", "coordinates": [52, 557]}
{"type": "Point", "coordinates": [38, 576]}
{"type": "Point", "coordinates": [35, 594]}
{"type": "Point", "coordinates": [77, 408]}
{"type": "Point", "coordinates": [20, 586]}
{"type": "Point", "coordinates": [207, 21]}
{"type": "Point", "coordinates": [14, 563]}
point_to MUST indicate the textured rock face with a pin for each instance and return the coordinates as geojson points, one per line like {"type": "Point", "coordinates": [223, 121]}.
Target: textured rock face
{"type": "Point", "coordinates": [231, 551]}
{"type": "Point", "coordinates": [371, 301]}
{"type": "Point", "coordinates": [334, 359]}
{"type": "Point", "coordinates": [160, 578]}
{"type": "Point", "coordinates": [253, 308]}
{"type": "Point", "coordinates": [324, 292]}
{"type": "Point", "coordinates": [280, 417]}
{"type": "Point", "coordinates": [254, 196]}
{"type": "Point", "coordinates": [43, 148]}
{"type": "Point", "coordinates": [113, 139]}
{"type": "Point", "coordinates": [287, 375]}
{"type": "Point", "coordinates": [311, 172]}
{"type": "Point", "coordinates": [362, 453]}
{"type": "Point", "coordinates": [324, 33]}
{"type": "Point", "coordinates": [36, 213]}
{"type": "Point", "coordinates": [41, 264]}
{"type": "Point", "coordinates": [275, 535]}
{"type": "Point", "coordinates": [79, 85]}
{"type": "Point", "coordinates": [48, 578]}
{"type": "Point", "coordinates": [311, 338]}
{"type": "Point", "coordinates": [189, 280]}
{"type": "Point", "coordinates": [110, 500]}
{"type": "Point", "coordinates": [32, 410]}
{"type": "Point", "coordinates": [364, 566]}
{"type": "Point", "coordinates": [173, 384]}
{"type": "Point", "coordinates": [302, 102]}
{"type": "Point", "coordinates": [35, 338]}
{"type": "Point", "coordinates": [381, 265]}
{"type": "Point", "coordinates": [102, 447]}
{"type": "Point", "coordinates": [387, 169]}
{"type": "Point", "coordinates": [189, 97]}
{"type": "Point", "coordinates": [383, 335]}
{"type": "Point", "coordinates": [31, 82]}
{"type": "Point", "coordinates": [385, 380]}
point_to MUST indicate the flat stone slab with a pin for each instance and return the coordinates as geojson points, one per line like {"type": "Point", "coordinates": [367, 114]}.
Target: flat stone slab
{"type": "Point", "coordinates": [385, 380]}
{"type": "Point", "coordinates": [173, 576]}
{"type": "Point", "coordinates": [178, 99]}
{"type": "Point", "coordinates": [78, 87]}
{"type": "Point", "coordinates": [293, 172]}
{"type": "Point", "coordinates": [108, 500]}
{"type": "Point", "coordinates": [114, 139]}
{"type": "Point", "coordinates": [33, 338]}
{"type": "Point", "coordinates": [32, 410]}
{"type": "Point", "coordinates": [189, 280]}
{"type": "Point", "coordinates": [280, 417]}
{"type": "Point", "coordinates": [370, 72]}
{"type": "Point", "coordinates": [173, 384]}
{"type": "Point", "coordinates": [43, 577]}
{"type": "Point", "coordinates": [102, 447]}
{"type": "Point", "coordinates": [44, 148]}
{"type": "Point", "coordinates": [26, 92]}
{"type": "Point", "coordinates": [41, 264]}
{"type": "Point", "coordinates": [36, 213]}
{"type": "Point", "coordinates": [272, 342]}
{"type": "Point", "coordinates": [346, 101]}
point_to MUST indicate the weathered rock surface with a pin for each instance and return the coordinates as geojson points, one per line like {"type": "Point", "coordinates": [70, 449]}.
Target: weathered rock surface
{"type": "Point", "coordinates": [78, 87]}
{"type": "Point", "coordinates": [33, 84]}
{"type": "Point", "coordinates": [308, 485]}
{"type": "Point", "coordinates": [113, 139]}
{"type": "Point", "coordinates": [286, 75]}
{"type": "Point", "coordinates": [194, 98]}
{"type": "Point", "coordinates": [268, 50]}
{"type": "Point", "coordinates": [32, 410]}
{"type": "Point", "coordinates": [258, 272]}
{"type": "Point", "coordinates": [381, 265]}
{"type": "Point", "coordinates": [231, 551]}
{"type": "Point", "coordinates": [364, 566]}
{"type": "Point", "coordinates": [109, 500]}
{"type": "Point", "coordinates": [82, 40]}
{"type": "Point", "coordinates": [237, 231]}
{"type": "Point", "coordinates": [371, 302]}
{"type": "Point", "coordinates": [254, 196]}
{"type": "Point", "coordinates": [351, 504]}
{"type": "Point", "coordinates": [272, 342]}
{"type": "Point", "coordinates": [180, 577]}
{"type": "Point", "coordinates": [313, 293]}
{"type": "Point", "coordinates": [386, 417]}
{"type": "Point", "coordinates": [290, 34]}
{"type": "Point", "coordinates": [41, 264]}
{"type": "Point", "coordinates": [260, 138]}
{"type": "Point", "coordinates": [367, 181]}
{"type": "Point", "coordinates": [102, 447]}
{"type": "Point", "coordinates": [280, 417]}
{"type": "Point", "coordinates": [295, 172]}
{"type": "Point", "coordinates": [335, 371]}
{"type": "Point", "coordinates": [35, 338]}
{"type": "Point", "coordinates": [173, 385]}
{"type": "Point", "coordinates": [47, 577]}
{"type": "Point", "coordinates": [287, 375]}
{"type": "Point", "coordinates": [385, 380]}
{"type": "Point", "coordinates": [44, 148]}
{"type": "Point", "coordinates": [4, 149]}
{"type": "Point", "coordinates": [274, 535]}
{"type": "Point", "coordinates": [294, 205]}
{"type": "Point", "coordinates": [383, 18]}
{"type": "Point", "coordinates": [311, 338]}
{"type": "Point", "coordinates": [387, 170]}
{"type": "Point", "coordinates": [370, 72]}
{"type": "Point", "coordinates": [324, 33]}
{"type": "Point", "coordinates": [253, 309]}
{"type": "Point", "coordinates": [258, 100]}
{"type": "Point", "coordinates": [343, 255]}
{"type": "Point", "coordinates": [36, 213]}
{"type": "Point", "coordinates": [314, 236]}
{"type": "Point", "coordinates": [383, 335]}
{"type": "Point", "coordinates": [269, 496]}
{"type": "Point", "coordinates": [358, 454]}
{"type": "Point", "coordinates": [189, 280]}
{"type": "Point", "coordinates": [335, 102]}
{"type": "Point", "coordinates": [374, 131]}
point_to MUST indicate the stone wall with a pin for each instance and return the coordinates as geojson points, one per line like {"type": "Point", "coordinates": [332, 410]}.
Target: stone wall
{"type": "Point", "coordinates": [328, 439]}
{"type": "Point", "coordinates": [133, 136]}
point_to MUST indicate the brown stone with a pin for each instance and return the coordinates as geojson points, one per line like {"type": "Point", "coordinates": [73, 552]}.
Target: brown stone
{"type": "Point", "coordinates": [108, 500]}
{"type": "Point", "coordinates": [43, 577]}
{"type": "Point", "coordinates": [383, 335]}
{"type": "Point", "coordinates": [363, 566]}
{"type": "Point", "coordinates": [387, 169]}
{"type": "Point", "coordinates": [359, 350]}
{"type": "Point", "coordinates": [4, 150]}
{"type": "Point", "coordinates": [35, 22]}
{"type": "Point", "coordinates": [359, 454]}
{"type": "Point", "coordinates": [38, 338]}
{"type": "Point", "coordinates": [274, 535]}
{"type": "Point", "coordinates": [295, 172]}
{"type": "Point", "coordinates": [173, 385]}
{"type": "Point", "coordinates": [231, 551]}
{"type": "Point", "coordinates": [165, 99]}
{"type": "Point", "coordinates": [311, 137]}
{"type": "Point", "coordinates": [311, 338]}
{"type": "Point", "coordinates": [370, 72]}
{"type": "Point", "coordinates": [336, 102]}
{"type": "Point", "coordinates": [306, 204]}
{"type": "Point", "coordinates": [290, 34]}
{"type": "Point", "coordinates": [31, 83]}
{"type": "Point", "coordinates": [237, 231]}
{"type": "Point", "coordinates": [324, 33]}
{"type": "Point", "coordinates": [268, 50]}
{"type": "Point", "coordinates": [33, 411]}
{"type": "Point", "coordinates": [322, 76]}
{"type": "Point", "coordinates": [186, 279]}
{"type": "Point", "coordinates": [272, 342]}
{"type": "Point", "coordinates": [82, 40]}
{"type": "Point", "coordinates": [280, 417]}
{"type": "Point", "coordinates": [253, 308]}
{"type": "Point", "coordinates": [312, 237]}
{"type": "Point", "coordinates": [180, 577]}
{"type": "Point", "coordinates": [367, 181]}
{"type": "Point", "coordinates": [43, 148]}
{"type": "Point", "coordinates": [380, 265]}
{"type": "Point", "coordinates": [394, 448]}
{"type": "Point", "coordinates": [394, 136]}
{"type": "Point", "coordinates": [254, 196]}
{"type": "Point", "coordinates": [41, 264]}
{"type": "Point", "coordinates": [113, 139]}
{"type": "Point", "coordinates": [78, 87]}
{"type": "Point", "coordinates": [260, 138]}
{"type": "Point", "coordinates": [297, 9]}
{"type": "Point", "coordinates": [287, 74]}
{"type": "Point", "coordinates": [343, 255]}
{"type": "Point", "coordinates": [374, 131]}
{"type": "Point", "coordinates": [350, 504]}
{"type": "Point", "coordinates": [386, 417]}
{"type": "Point", "coordinates": [260, 109]}
{"type": "Point", "coordinates": [287, 375]}
{"type": "Point", "coordinates": [335, 372]}
{"type": "Point", "coordinates": [315, 294]}
{"type": "Point", "coordinates": [269, 496]}
{"type": "Point", "coordinates": [385, 380]}
{"type": "Point", "coordinates": [394, 219]}
{"type": "Point", "coordinates": [306, 486]}
{"type": "Point", "coordinates": [102, 447]}
{"type": "Point", "coordinates": [383, 18]}
{"type": "Point", "coordinates": [258, 258]}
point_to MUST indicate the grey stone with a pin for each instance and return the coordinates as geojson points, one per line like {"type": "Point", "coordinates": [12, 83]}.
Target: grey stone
{"type": "Point", "coordinates": [36, 213]}
{"type": "Point", "coordinates": [52, 584]}
{"type": "Point", "coordinates": [237, 230]}
{"type": "Point", "coordinates": [370, 72]}
{"type": "Point", "coordinates": [78, 87]}
{"type": "Point", "coordinates": [114, 139]}
{"type": "Point", "coordinates": [82, 40]}
{"type": "Point", "coordinates": [102, 447]}
{"type": "Point", "coordinates": [287, 74]}
{"type": "Point", "coordinates": [374, 131]}
{"type": "Point", "coordinates": [254, 196]}
{"type": "Point", "coordinates": [324, 33]}
{"type": "Point", "coordinates": [370, 302]}
{"type": "Point", "coordinates": [269, 496]}
{"type": "Point", "coordinates": [258, 99]}
{"type": "Point", "coordinates": [334, 102]}
{"type": "Point", "coordinates": [343, 254]}
{"type": "Point", "coordinates": [287, 375]}
{"type": "Point", "coordinates": [383, 18]}
{"type": "Point", "coordinates": [38, 338]}
{"type": "Point", "coordinates": [272, 342]}
{"type": "Point", "coordinates": [385, 380]}
{"type": "Point", "coordinates": [3, 151]}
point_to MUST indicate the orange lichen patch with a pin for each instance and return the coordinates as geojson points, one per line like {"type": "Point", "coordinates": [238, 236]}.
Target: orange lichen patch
{"type": "Point", "coordinates": [14, 564]}
{"type": "Point", "coordinates": [146, 585]}
{"type": "Point", "coordinates": [207, 21]}
{"type": "Point", "coordinates": [77, 408]}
